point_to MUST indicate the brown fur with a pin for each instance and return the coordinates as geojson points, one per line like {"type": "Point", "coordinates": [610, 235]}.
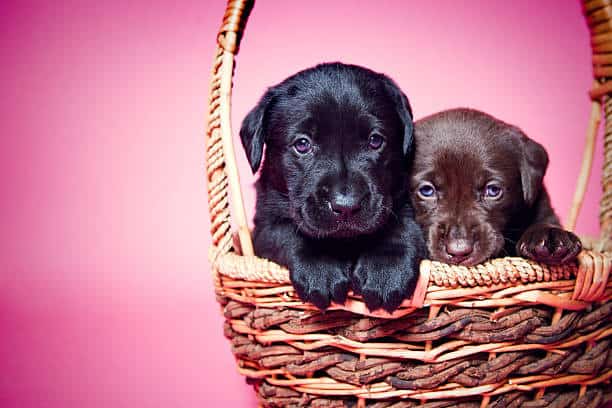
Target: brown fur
{"type": "Point", "coordinates": [466, 157]}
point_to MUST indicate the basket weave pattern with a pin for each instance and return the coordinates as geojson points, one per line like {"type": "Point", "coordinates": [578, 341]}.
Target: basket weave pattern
{"type": "Point", "coordinates": [508, 333]}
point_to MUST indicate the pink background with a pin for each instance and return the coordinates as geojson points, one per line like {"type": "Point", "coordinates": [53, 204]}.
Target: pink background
{"type": "Point", "coordinates": [105, 293]}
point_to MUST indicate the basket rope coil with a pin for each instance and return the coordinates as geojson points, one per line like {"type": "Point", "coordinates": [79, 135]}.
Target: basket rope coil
{"type": "Point", "coordinates": [507, 333]}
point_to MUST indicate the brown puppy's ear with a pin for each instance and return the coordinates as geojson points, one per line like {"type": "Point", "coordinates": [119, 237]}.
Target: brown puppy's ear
{"type": "Point", "coordinates": [534, 161]}
{"type": "Point", "coordinates": [252, 131]}
{"type": "Point", "coordinates": [403, 110]}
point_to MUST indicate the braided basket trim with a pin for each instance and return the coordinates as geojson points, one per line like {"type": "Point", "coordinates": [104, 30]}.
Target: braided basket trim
{"type": "Point", "coordinates": [495, 271]}
{"type": "Point", "coordinates": [498, 282]}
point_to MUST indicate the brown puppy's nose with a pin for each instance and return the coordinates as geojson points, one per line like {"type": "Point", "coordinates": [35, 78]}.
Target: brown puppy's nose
{"type": "Point", "coordinates": [345, 205]}
{"type": "Point", "coordinates": [459, 247]}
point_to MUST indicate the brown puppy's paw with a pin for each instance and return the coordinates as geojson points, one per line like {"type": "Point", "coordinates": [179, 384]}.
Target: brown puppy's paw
{"type": "Point", "coordinates": [548, 244]}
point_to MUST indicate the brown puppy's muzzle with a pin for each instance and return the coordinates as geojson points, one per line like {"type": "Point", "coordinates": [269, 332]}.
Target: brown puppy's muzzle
{"type": "Point", "coordinates": [456, 242]}
{"type": "Point", "coordinates": [459, 249]}
{"type": "Point", "coordinates": [463, 243]}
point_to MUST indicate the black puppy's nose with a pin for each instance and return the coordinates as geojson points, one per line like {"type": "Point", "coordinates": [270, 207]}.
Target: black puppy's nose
{"type": "Point", "coordinates": [459, 247]}
{"type": "Point", "coordinates": [345, 205]}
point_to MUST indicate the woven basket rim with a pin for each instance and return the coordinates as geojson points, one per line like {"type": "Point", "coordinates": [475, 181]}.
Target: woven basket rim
{"type": "Point", "coordinates": [497, 280]}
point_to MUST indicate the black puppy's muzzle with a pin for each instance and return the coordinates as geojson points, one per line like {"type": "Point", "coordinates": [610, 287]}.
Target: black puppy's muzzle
{"type": "Point", "coordinates": [346, 206]}
{"type": "Point", "coordinates": [342, 208]}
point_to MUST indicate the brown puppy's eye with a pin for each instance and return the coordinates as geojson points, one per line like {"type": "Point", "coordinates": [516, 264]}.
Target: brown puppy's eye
{"type": "Point", "coordinates": [375, 141]}
{"type": "Point", "coordinates": [302, 145]}
{"type": "Point", "coordinates": [493, 191]}
{"type": "Point", "coordinates": [426, 191]}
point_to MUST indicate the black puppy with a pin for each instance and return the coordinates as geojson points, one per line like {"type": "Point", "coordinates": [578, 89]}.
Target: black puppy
{"type": "Point", "coordinates": [332, 201]}
{"type": "Point", "coordinates": [478, 193]}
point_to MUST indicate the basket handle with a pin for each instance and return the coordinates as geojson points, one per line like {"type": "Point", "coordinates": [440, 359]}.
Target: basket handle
{"type": "Point", "coordinates": [221, 169]}
{"type": "Point", "coordinates": [599, 19]}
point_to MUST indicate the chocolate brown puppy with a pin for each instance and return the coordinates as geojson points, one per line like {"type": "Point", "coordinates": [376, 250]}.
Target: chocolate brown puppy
{"type": "Point", "coordinates": [477, 189]}
{"type": "Point", "coordinates": [332, 196]}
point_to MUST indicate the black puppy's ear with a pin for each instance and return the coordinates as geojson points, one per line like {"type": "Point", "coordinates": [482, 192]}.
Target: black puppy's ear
{"type": "Point", "coordinates": [403, 110]}
{"type": "Point", "coordinates": [534, 161]}
{"type": "Point", "coordinates": [252, 131]}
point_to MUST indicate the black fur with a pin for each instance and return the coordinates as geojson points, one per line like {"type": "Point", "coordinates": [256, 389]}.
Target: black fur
{"type": "Point", "coordinates": [338, 216]}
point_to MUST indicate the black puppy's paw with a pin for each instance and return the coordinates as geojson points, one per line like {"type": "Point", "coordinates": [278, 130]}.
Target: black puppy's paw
{"type": "Point", "coordinates": [548, 244]}
{"type": "Point", "coordinates": [320, 281]}
{"type": "Point", "coordinates": [385, 281]}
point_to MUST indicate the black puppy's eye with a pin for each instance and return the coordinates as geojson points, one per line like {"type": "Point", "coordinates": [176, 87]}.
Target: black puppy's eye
{"type": "Point", "coordinates": [376, 141]}
{"type": "Point", "coordinates": [493, 191]}
{"type": "Point", "coordinates": [302, 145]}
{"type": "Point", "coordinates": [426, 191]}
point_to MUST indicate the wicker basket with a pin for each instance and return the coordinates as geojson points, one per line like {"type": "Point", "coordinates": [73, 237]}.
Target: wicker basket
{"type": "Point", "coordinates": [508, 333]}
